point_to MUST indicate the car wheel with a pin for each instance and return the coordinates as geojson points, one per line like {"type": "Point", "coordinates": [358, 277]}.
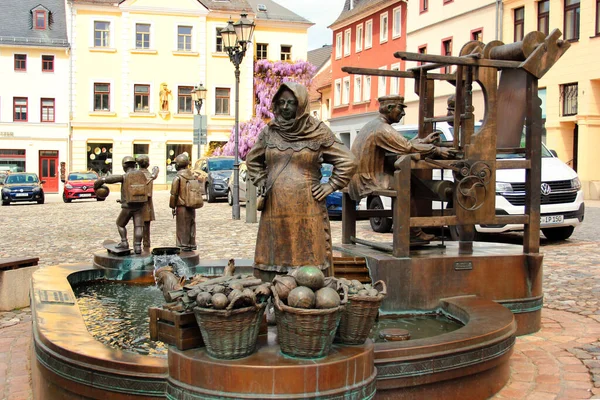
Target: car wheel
{"type": "Point", "coordinates": [210, 196]}
{"type": "Point", "coordinates": [65, 199]}
{"type": "Point", "coordinates": [381, 225]}
{"type": "Point", "coordinates": [41, 201]}
{"type": "Point", "coordinates": [5, 203]}
{"type": "Point", "coordinates": [560, 233]}
{"type": "Point", "coordinates": [230, 197]}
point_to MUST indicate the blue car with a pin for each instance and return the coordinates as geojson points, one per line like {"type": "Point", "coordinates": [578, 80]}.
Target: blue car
{"type": "Point", "coordinates": [334, 200]}
{"type": "Point", "coordinates": [22, 187]}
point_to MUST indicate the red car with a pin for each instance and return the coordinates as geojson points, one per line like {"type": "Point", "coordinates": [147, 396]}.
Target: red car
{"type": "Point", "coordinates": [80, 185]}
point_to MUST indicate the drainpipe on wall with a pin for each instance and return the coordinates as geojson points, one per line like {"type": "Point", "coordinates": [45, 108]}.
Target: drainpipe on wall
{"type": "Point", "coordinates": [70, 144]}
{"type": "Point", "coordinates": [499, 17]}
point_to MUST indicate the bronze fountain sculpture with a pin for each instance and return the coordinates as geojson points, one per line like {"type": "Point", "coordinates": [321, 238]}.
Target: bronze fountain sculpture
{"type": "Point", "coordinates": [459, 279]}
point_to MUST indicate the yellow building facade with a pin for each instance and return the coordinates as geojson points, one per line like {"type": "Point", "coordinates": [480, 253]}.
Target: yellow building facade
{"type": "Point", "coordinates": [134, 65]}
{"type": "Point", "coordinates": [570, 91]}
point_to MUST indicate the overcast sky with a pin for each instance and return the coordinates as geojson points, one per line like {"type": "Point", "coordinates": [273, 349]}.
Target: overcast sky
{"type": "Point", "coordinates": [321, 13]}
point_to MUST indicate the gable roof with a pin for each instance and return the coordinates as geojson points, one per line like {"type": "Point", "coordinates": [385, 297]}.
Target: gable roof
{"type": "Point", "coordinates": [275, 12]}
{"type": "Point", "coordinates": [237, 6]}
{"type": "Point", "coordinates": [360, 7]}
{"type": "Point", "coordinates": [105, 2]}
{"type": "Point", "coordinates": [16, 23]}
{"type": "Point", "coordinates": [318, 57]}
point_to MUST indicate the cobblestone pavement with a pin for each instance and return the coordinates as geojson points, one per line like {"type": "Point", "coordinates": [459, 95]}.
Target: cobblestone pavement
{"type": "Point", "coordinates": [562, 361]}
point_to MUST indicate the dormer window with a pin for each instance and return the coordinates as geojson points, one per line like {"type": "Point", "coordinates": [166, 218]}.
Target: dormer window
{"type": "Point", "coordinates": [40, 20]}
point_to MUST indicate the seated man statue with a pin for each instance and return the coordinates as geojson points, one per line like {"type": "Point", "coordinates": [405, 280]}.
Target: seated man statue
{"type": "Point", "coordinates": [133, 198]}
{"type": "Point", "coordinates": [376, 139]}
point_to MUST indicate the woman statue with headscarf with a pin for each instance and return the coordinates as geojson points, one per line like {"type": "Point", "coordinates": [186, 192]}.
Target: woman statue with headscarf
{"type": "Point", "coordinates": [286, 162]}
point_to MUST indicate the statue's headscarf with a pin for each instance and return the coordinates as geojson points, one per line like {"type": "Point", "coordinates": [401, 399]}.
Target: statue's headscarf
{"type": "Point", "coordinates": [302, 132]}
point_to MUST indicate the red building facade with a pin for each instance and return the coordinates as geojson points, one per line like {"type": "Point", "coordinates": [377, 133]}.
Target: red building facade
{"type": "Point", "coordinates": [366, 35]}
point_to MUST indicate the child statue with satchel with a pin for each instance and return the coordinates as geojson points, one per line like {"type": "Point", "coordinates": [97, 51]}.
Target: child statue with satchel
{"type": "Point", "coordinates": [186, 197]}
{"type": "Point", "coordinates": [134, 196]}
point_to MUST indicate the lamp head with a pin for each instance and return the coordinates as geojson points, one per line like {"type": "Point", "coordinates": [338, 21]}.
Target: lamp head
{"type": "Point", "coordinates": [243, 30]}
{"type": "Point", "coordinates": [228, 36]}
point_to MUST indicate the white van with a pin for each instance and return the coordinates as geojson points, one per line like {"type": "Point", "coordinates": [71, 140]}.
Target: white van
{"type": "Point", "coordinates": [562, 206]}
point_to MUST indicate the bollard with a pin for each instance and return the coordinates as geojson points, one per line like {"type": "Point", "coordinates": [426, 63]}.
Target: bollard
{"type": "Point", "coordinates": [250, 202]}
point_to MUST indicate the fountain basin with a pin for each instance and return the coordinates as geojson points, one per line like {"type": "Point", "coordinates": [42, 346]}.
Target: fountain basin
{"type": "Point", "coordinates": [494, 271]}
{"type": "Point", "coordinates": [70, 363]}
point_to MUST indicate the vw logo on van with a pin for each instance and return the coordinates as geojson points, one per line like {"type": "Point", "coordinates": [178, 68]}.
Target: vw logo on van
{"type": "Point", "coordinates": [546, 189]}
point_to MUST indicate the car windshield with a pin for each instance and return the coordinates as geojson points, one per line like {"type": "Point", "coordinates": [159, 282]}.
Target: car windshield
{"type": "Point", "coordinates": [223, 164]}
{"type": "Point", "coordinates": [22, 178]}
{"type": "Point", "coordinates": [82, 176]}
{"type": "Point", "coordinates": [545, 151]}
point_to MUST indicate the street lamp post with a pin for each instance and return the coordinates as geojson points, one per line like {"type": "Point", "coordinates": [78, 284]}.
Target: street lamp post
{"type": "Point", "coordinates": [236, 37]}
{"type": "Point", "coordinates": [198, 95]}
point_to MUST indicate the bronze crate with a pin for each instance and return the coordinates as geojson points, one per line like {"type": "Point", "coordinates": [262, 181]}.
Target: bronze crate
{"type": "Point", "coordinates": [178, 329]}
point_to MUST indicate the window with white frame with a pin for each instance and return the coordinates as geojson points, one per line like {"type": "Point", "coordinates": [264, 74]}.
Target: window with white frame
{"type": "Point", "coordinates": [397, 23]}
{"type": "Point", "coordinates": [369, 34]}
{"type": "Point", "coordinates": [222, 100]}
{"type": "Point", "coordinates": [367, 88]}
{"type": "Point", "coordinates": [142, 36]}
{"type": "Point", "coordinates": [382, 84]}
{"type": "Point", "coordinates": [101, 34]}
{"type": "Point", "coordinates": [359, 37]}
{"type": "Point", "coordinates": [395, 82]}
{"type": "Point", "coordinates": [286, 52]}
{"type": "Point", "coordinates": [261, 51]}
{"type": "Point", "coordinates": [218, 40]}
{"type": "Point", "coordinates": [383, 27]}
{"type": "Point", "coordinates": [184, 38]}
{"type": "Point", "coordinates": [337, 94]}
{"type": "Point", "coordinates": [346, 91]}
{"type": "Point", "coordinates": [141, 98]}
{"type": "Point", "coordinates": [184, 99]}
{"type": "Point", "coordinates": [101, 96]}
{"type": "Point", "coordinates": [338, 45]}
{"type": "Point", "coordinates": [347, 36]}
{"type": "Point", "coordinates": [357, 89]}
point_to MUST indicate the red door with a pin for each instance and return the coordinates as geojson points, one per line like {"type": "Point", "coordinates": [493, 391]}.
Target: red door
{"type": "Point", "coordinates": [49, 170]}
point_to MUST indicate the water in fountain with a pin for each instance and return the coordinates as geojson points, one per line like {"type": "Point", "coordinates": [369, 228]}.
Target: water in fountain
{"type": "Point", "coordinates": [116, 314]}
{"type": "Point", "coordinates": [180, 268]}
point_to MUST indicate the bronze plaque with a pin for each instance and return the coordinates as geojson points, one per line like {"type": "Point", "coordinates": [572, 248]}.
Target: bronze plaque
{"type": "Point", "coordinates": [463, 265]}
{"type": "Point", "coordinates": [56, 296]}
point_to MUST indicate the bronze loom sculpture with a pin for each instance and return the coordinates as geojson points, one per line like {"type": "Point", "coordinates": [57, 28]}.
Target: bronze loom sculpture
{"type": "Point", "coordinates": [508, 105]}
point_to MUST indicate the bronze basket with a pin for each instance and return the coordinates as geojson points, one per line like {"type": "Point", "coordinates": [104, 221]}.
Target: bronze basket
{"type": "Point", "coordinates": [306, 333]}
{"type": "Point", "coordinates": [359, 317]}
{"type": "Point", "coordinates": [230, 333]}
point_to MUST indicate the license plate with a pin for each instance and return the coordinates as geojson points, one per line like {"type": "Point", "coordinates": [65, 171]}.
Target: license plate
{"type": "Point", "coordinates": [85, 195]}
{"type": "Point", "coordinates": [22, 195]}
{"type": "Point", "coordinates": [552, 219]}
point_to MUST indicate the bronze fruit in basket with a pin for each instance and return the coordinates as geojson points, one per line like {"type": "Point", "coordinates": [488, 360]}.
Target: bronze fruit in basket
{"type": "Point", "coordinates": [311, 277]}
{"type": "Point", "coordinates": [204, 299]}
{"type": "Point", "coordinates": [301, 297]}
{"type": "Point", "coordinates": [219, 301]}
{"type": "Point", "coordinates": [327, 298]}
{"type": "Point", "coordinates": [284, 285]}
